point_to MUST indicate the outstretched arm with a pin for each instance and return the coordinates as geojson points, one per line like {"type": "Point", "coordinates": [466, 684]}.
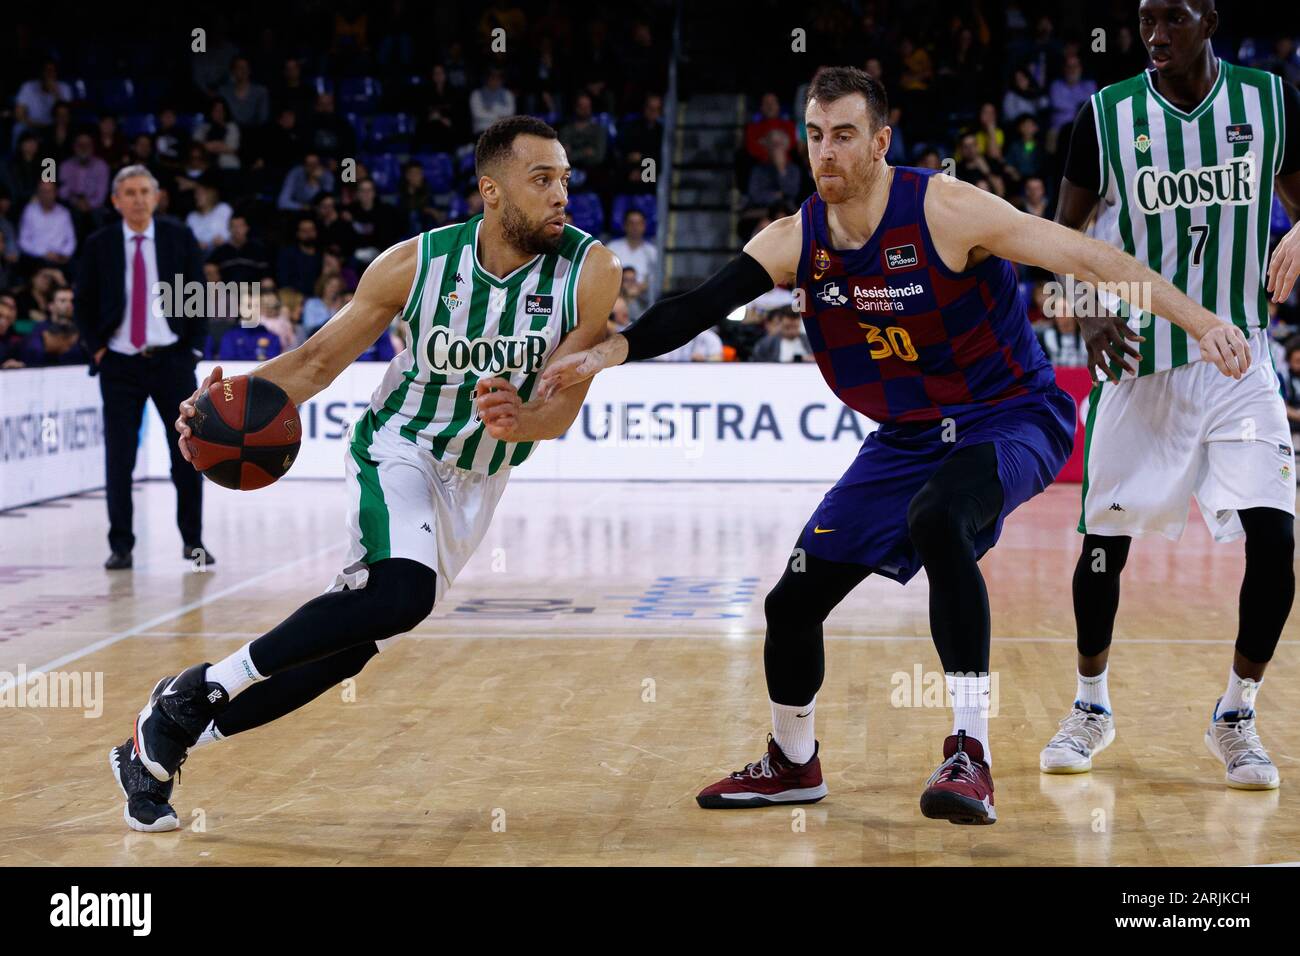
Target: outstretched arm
{"type": "Point", "coordinates": [306, 370]}
{"type": "Point", "coordinates": [505, 415]}
{"type": "Point", "coordinates": [769, 258]}
{"type": "Point", "coordinates": [968, 222]}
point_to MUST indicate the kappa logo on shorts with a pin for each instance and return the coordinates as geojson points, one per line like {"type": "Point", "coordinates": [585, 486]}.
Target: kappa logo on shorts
{"type": "Point", "coordinates": [1115, 506]}
{"type": "Point", "coordinates": [901, 257]}
{"type": "Point", "coordinates": [425, 527]}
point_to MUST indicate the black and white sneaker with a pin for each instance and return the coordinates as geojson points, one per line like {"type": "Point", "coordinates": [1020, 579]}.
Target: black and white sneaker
{"type": "Point", "coordinates": [146, 809]}
{"type": "Point", "coordinates": [172, 720]}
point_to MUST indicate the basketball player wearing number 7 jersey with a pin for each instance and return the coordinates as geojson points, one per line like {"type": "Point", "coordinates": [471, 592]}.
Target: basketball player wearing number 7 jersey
{"type": "Point", "coordinates": [1180, 164]}
{"type": "Point", "coordinates": [487, 303]}
{"type": "Point", "coordinates": [911, 305]}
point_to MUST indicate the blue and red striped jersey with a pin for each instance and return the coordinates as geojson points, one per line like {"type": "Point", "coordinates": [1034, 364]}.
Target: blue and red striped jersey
{"type": "Point", "coordinates": [898, 335]}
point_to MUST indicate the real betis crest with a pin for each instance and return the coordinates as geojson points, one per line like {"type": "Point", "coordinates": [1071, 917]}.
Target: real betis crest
{"type": "Point", "coordinates": [1143, 143]}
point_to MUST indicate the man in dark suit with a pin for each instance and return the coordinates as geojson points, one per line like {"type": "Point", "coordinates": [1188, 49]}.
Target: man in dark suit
{"type": "Point", "coordinates": [142, 348]}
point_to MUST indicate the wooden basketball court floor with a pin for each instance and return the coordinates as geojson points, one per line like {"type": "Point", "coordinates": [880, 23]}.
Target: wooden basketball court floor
{"type": "Point", "coordinates": [600, 661]}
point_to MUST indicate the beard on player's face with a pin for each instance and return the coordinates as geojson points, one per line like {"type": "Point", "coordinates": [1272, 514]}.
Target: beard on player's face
{"type": "Point", "coordinates": [529, 236]}
{"type": "Point", "coordinates": [854, 174]}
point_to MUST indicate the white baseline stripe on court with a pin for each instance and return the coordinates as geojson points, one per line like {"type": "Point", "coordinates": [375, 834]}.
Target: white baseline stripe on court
{"type": "Point", "coordinates": [10, 679]}
{"type": "Point", "coordinates": [630, 634]}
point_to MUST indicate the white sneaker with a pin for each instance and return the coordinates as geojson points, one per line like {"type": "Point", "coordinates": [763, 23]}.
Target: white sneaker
{"type": "Point", "coordinates": [1237, 744]}
{"type": "Point", "coordinates": [1083, 735]}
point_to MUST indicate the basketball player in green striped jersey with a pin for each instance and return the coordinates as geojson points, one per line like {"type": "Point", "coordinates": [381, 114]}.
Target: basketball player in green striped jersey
{"type": "Point", "coordinates": [486, 303]}
{"type": "Point", "coordinates": [1178, 166]}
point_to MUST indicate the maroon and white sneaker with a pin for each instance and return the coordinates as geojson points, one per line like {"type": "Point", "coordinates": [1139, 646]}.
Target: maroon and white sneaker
{"type": "Point", "coordinates": [961, 790]}
{"type": "Point", "coordinates": [770, 781]}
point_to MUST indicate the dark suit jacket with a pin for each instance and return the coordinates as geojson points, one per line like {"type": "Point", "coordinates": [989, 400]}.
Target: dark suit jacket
{"type": "Point", "coordinates": [101, 293]}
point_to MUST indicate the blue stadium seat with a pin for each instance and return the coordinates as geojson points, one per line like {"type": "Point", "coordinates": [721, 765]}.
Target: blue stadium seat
{"type": "Point", "coordinates": [385, 170]}
{"type": "Point", "coordinates": [322, 84]}
{"type": "Point", "coordinates": [389, 129]}
{"type": "Point", "coordinates": [648, 205]}
{"type": "Point", "coordinates": [186, 122]}
{"type": "Point", "coordinates": [358, 124]}
{"type": "Point", "coordinates": [587, 212]}
{"type": "Point", "coordinates": [359, 94]}
{"type": "Point", "coordinates": [607, 120]}
{"type": "Point", "coordinates": [438, 172]}
{"type": "Point", "coordinates": [115, 95]}
{"type": "Point", "coordinates": [1280, 222]}
{"type": "Point", "coordinates": [133, 124]}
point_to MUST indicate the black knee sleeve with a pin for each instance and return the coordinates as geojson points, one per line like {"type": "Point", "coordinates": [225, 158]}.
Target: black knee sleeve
{"type": "Point", "coordinates": [1096, 590]}
{"type": "Point", "coordinates": [398, 595]}
{"type": "Point", "coordinates": [1268, 587]}
{"type": "Point", "coordinates": [793, 655]}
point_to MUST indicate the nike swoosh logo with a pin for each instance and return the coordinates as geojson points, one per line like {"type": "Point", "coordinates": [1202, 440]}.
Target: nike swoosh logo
{"type": "Point", "coordinates": [817, 276]}
{"type": "Point", "coordinates": [820, 530]}
{"type": "Point", "coordinates": [801, 716]}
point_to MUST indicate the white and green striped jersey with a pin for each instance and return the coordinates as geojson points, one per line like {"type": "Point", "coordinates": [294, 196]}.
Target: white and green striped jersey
{"type": "Point", "coordinates": [465, 325]}
{"type": "Point", "coordinates": [1190, 194]}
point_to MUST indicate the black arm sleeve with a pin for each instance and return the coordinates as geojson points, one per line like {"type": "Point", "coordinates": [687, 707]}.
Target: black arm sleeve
{"type": "Point", "coordinates": [1083, 165]}
{"type": "Point", "coordinates": [671, 323]}
{"type": "Point", "coordinates": [1291, 119]}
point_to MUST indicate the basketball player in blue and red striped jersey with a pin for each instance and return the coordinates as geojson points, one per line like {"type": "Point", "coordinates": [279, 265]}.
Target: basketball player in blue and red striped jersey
{"type": "Point", "coordinates": [910, 303]}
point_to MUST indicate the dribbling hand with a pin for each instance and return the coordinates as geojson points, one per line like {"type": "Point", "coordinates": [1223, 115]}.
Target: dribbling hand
{"type": "Point", "coordinates": [187, 412]}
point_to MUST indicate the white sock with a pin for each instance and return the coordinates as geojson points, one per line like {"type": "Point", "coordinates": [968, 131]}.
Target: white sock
{"type": "Point", "coordinates": [793, 733]}
{"type": "Point", "coordinates": [209, 736]}
{"type": "Point", "coordinates": [1093, 690]}
{"type": "Point", "coordinates": [1240, 695]}
{"type": "Point", "coordinates": [970, 708]}
{"type": "Point", "coordinates": [235, 673]}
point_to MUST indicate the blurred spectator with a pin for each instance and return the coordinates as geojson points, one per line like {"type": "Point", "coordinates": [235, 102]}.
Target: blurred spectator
{"type": "Point", "coordinates": [299, 263]}
{"type": "Point", "coordinates": [1290, 376]}
{"type": "Point", "coordinates": [585, 140]}
{"type": "Point", "coordinates": [778, 178]}
{"type": "Point", "coordinates": [491, 102]}
{"type": "Point", "coordinates": [241, 344]}
{"type": "Point", "coordinates": [321, 307]}
{"type": "Point", "coordinates": [619, 319]}
{"type": "Point", "coordinates": [414, 201]}
{"type": "Point", "coordinates": [45, 233]}
{"type": "Point", "coordinates": [1024, 96]}
{"type": "Point", "coordinates": [210, 220]}
{"type": "Point", "coordinates": [973, 166]}
{"type": "Point", "coordinates": [375, 225]}
{"type": "Point", "coordinates": [171, 142]}
{"type": "Point", "coordinates": [1069, 93]}
{"type": "Point", "coordinates": [34, 302]}
{"type": "Point", "coordinates": [705, 347]}
{"type": "Point", "coordinates": [292, 92]}
{"type": "Point", "coordinates": [787, 343]}
{"type": "Point", "coordinates": [1025, 155]}
{"type": "Point", "coordinates": [444, 123]}
{"type": "Point", "coordinates": [10, 339]}
{"type": "Point", "coordinates": [34, 104]}
{"type": "Point", "coordinates": [634, 294]}
{"type": "Point", "coordinates": [988, 135]}
{"type": "Point", "coordinates": [328, 134]}
{"type": "Point", "coordinates": [1034, 199]}
{"type": "Point", "coordinates": [304, 182]}
{"type": "Point", "coordinates": [52, 343]}
{"type": "Point", "coordinates": [333, 229]}
{"type": "Point", "coordinates": [219, 135]}
{"type": "Point", "coordinates": [639, 140]}
{"type": "Point", "coordinates": [249, 103]}
{"type": "Point", "coordinates": [83, 181]}
{"type": "Point", "coordinates": [57, 141]}
{"type": "Point", "coordinates": [770, 118]}
{"type": "Point", "coordinates": [1063, 342]}
{"type": "Point", "coordinates": [20, 172]}
{"type": "Point", "coordinates": [241, 258]}
{"type": "Point", "coordinates": [634, 252]}
{"type": "Point", "coordinates": [110, 144]}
